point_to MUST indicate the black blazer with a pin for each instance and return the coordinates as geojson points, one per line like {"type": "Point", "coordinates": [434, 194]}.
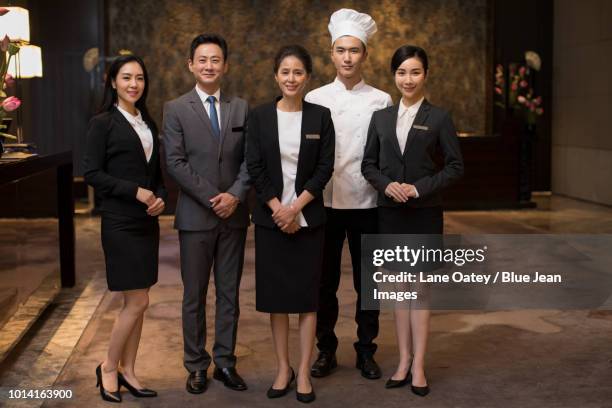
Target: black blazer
{"type": "Point", "coordinates": [384, 163]}
{"type": "Point", "coordinates": [116, 165]}
{"type": "Point", "coordinates": [315, 160]}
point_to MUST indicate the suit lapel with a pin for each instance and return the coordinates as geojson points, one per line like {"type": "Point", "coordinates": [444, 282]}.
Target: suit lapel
{"type": "Point", "coordinates": [274, 144]}
{"type": "Point", "coordinates": [393, 131]}
{"type": "Point", "coordinates": [131, 132]}
{"type": "Point", "coordinates": [198, 107]}
{"type": "Point", "coordinates": [226, 111]}
{"type": "Point", "coordinates": [307, 117]}
{"type": "Point", "coordinates": [419, 120]}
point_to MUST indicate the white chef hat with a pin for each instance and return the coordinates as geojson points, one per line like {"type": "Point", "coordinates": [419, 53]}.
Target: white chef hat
{"type": "Point", "coordinates": [350, 22]}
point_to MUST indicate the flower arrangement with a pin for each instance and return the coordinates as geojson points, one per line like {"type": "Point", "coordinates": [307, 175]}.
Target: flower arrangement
{"type": "Point", "coordinates": [520, 94]}
{"type": "Point", "coordinates": [7, 103]}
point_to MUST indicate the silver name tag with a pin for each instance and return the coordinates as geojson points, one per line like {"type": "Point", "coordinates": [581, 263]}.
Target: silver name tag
{"type": "Point", "coordinates": [420, 127]}
{"type": "Point", "coordinates": [313, 136]}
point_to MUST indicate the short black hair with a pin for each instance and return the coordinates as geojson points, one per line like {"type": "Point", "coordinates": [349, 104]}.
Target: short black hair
{"type": "Point", "coordinates": [296, 51]}
{"type": "Point", "coordinates": [208, 38]}
{"type": "Point", "coordinates": [408, 51]}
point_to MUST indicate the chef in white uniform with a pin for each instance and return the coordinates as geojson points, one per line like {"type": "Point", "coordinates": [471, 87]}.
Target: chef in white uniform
{"type": "Point", "coordinates": [349, 199]}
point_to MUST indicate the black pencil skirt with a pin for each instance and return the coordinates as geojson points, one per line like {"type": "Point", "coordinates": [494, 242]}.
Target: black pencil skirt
{"type": "Point", "coordinates": [288, 269]}
{"type": "Point", "coordinates": [131, 251]}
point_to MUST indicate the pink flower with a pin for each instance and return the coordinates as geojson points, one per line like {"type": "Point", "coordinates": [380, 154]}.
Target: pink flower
{"type": "Point", "coordinates": [9, 80]}
{"type": "Point", "coordinates": [522, 71]}
{"type": "Point", "coordinates": [514, 86]}
{"type": "Point", "coordinates": [4, 44]}
{"type": "Point", "coordinates": [3, 11]}
{"type": "Point", "coordinates": [521, 99]}
{"type": "Point", "coordinates": [11, 103]}
{"type": "Point", "coordinates": [498, 90]}
{"type": "Point", "coordinates": [538, 100]}
{"type": "Point", "coordinates": [523, 84]}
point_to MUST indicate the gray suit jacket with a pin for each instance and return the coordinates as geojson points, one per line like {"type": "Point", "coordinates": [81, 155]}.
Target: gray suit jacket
{"type": "Point", "coordinates": [203, 166]}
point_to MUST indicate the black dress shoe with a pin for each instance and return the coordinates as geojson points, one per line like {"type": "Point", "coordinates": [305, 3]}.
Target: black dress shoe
{"type": "Point", "coordinates": [230, 378]}
{"type": "Point", "coordinates": [324, 364]}
{"type": "Point", "coordinates": [140, 393]}
{"type": "Point", "coordinates": [106, 395]}
{"type": "Point", "coordinates": [420, 391]}
{"type": "Point", "coordinates": [369, 368]}
{"type": "Point", "coordinates": [305, 397]}
{"type": "Point", "coordinates": [275, 393]}
{"type": "Point", "coordinates": [197, 382]}
{"type": "Point", "coordinates": [391, 383]}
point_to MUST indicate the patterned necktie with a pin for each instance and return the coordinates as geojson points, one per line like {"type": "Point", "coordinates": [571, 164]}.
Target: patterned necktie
{"type": "Point", "coordinates": [214, 120]}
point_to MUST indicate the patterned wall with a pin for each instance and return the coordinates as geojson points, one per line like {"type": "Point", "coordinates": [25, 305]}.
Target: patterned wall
{"type": "Point", "coordinates": [453, 32]}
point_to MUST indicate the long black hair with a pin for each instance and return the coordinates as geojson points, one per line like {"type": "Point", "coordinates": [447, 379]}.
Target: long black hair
{"type": "Point", "coordinates": [110, 94]}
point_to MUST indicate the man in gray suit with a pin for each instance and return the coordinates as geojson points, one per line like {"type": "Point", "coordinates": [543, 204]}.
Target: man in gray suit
{"type": "Point", "coordinates": [204, 140]}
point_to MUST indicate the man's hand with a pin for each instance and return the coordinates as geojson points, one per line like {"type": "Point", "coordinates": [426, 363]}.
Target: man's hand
{"type": "Point", "coordinates": [156, 208]}
{"type": "Point", "coordinates": [224, 204]}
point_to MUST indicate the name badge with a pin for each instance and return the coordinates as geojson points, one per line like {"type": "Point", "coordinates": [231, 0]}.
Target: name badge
{"type": "Point", "coordinates": [313, 136]}
{"type": "Point", "coordinates": [420, 127]}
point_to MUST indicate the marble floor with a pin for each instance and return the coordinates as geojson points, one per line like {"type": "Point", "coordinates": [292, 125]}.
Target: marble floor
{"type": "Point", "coordinates": [523, 358]}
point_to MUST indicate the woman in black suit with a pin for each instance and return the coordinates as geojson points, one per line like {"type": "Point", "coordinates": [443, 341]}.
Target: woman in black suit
{"type": "Point", "coordinates": [399, 163]}
{"type": "Point", "coordinates": [122, 164]}
{"type": "Point", "coordinates": [290, 158]}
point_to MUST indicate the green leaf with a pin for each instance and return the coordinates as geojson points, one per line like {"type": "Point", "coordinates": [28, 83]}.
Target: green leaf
{"type": "Point", "coordinates": [13, 49]}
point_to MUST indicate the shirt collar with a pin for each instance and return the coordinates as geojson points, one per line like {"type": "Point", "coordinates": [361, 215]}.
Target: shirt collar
{"type": "Point", "coordinates": [203, 95]}
{"type": "Point", "coordinates": [134, 120]}
{"type": "Point", "coordinates": [411, 110]}
{"type": "Point", "coordinates": [341, 86]}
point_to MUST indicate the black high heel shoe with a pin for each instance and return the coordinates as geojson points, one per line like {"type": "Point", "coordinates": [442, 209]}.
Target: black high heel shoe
{"type": "Point", "coordinates": [420, 391]}
{"type": "Point", "coordinates": [106, 395]}
{"type": "Point", "coordinates": [140, 393]}
{"type": "Point", "coordinates": [275, 393]}
{"type": "Point", "coordinates": [305, 397]}
{"type": "Point", "coordinates": [391, 383]}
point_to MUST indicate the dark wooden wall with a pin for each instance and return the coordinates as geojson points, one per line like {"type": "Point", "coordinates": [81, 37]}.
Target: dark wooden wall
{"type": "Point", "coordinates": [58, 107]}
{"type": "Point", "coordinates": [62, 102]}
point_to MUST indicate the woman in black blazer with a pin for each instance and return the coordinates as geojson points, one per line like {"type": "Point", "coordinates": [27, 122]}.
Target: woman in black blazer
{"type": "Point", "coordinates": [122, 164]}
{"type": "Point", "coordinates": [399, 162]}
{"type": "Point", "coordinates": [290, 158]}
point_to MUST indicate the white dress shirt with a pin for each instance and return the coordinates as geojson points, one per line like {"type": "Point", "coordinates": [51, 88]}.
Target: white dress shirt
{"type": "Point", "coordinates": [142, 130]}
{"type": "Point", "coordinates": [289, 138]}
{"type": "Point", "coordinates": [351, 112]}
{"type": "Point", "coordinates": [405, 119]}
{"type": "Point", "coordinates": [204, 96]}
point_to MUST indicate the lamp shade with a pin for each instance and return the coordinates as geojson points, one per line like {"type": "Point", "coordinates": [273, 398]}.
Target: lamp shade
{"type": "Point", "coordinates": [16, 24]}
{"type": "Point", "coordinates": [27, 63]}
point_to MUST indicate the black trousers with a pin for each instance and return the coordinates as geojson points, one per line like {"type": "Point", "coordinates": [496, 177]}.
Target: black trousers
{"type": "Point", "coordinates": [343, 224]}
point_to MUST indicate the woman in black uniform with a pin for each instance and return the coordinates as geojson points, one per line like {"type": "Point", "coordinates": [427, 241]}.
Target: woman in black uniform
{"type": "Point", "coordinates": [290, 158]}
{"type": "Point", "coordinates": [122, 164]}
{"type": "Point", "coordinates": [399, 162]}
